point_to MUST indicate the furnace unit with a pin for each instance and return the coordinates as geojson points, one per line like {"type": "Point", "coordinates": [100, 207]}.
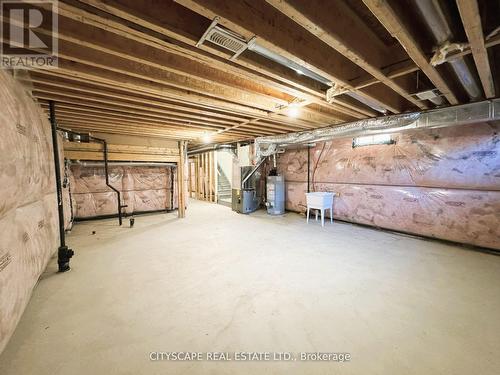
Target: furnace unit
{"type": "Point", "coordinates": [247, 199]}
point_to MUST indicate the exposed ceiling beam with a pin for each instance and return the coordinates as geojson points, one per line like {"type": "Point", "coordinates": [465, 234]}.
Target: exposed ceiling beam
{"type": "Point", "coordinates": [132, 17]}
{"type": "Point", "coordinates": [394, 71]}
{"type": "Point", "coordinates": [133, 130]}
{"type": "Point", "coordinates": [131, 98]}
{"type": "Point", "coordinates": [100, 113]}
{"type": "Point", "coordinates": [286, 121]}
{"type": "Point", "coordinates": [278, 33]}
{"type": "Point", "coordinates": [138, 70]}
{"type": "Point", "coordinates": [329, 23]}
{"type": "Point", "coordinates": [112, 78]}
{"type": "Point", "coordinates": [408, 66]}
{"type": "Point", "coordinates": [151, 107]}
{"type": "Point", "coordinates": [386, 15]}
{"type": "Point", "coordinates": [104, 41]}
{"type": "Point", "coordinates": [156, 59]}
{"type": "Point", "coordinates": [471, 19]}
{"type": "Point", "coordinates": [84, 111]}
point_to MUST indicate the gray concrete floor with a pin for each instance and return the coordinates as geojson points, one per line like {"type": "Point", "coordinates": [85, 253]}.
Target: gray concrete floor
{"type": "Point", "coordinates": [219, 281]}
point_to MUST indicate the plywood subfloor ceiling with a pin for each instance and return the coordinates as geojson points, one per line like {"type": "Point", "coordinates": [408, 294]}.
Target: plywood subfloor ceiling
{"type": "Point", "coordinates": [138, 67]}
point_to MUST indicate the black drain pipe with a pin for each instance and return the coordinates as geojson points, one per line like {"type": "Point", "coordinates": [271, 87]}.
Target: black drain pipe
{"type": "Point", "coordinates": [118, 194]}
{"type": "Point", "coordinates": [87, 138]}
{"type": "Point", "coordinates": [64, 253]}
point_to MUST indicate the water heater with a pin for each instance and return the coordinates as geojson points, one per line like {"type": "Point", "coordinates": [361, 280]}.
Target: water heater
{"type": "Point", "coordinates": [275, 195]}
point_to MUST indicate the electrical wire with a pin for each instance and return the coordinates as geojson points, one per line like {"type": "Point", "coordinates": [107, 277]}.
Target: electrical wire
{"type": "Point", "coordinates": [316, 166]}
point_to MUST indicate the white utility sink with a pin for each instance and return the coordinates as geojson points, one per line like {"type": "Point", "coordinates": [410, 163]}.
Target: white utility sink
{"type": "Point", "coordinates": [320, 200]}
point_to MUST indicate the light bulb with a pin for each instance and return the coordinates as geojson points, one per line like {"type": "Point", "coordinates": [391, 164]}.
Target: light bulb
{"type": "Point", "coordinates": [293, 112]}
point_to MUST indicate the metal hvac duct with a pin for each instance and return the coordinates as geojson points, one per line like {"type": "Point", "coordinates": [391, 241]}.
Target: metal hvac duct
{"type": "Point", "coordinates": [436, 21]}
{"type": "Point", "coordinates": [370, 103]}
{"type": "Point", "coordinates": [216, 147]}
{"type": "Point", "coordinates": [255, 47]}
{"type": "Point", "coordinates": [488, 110]}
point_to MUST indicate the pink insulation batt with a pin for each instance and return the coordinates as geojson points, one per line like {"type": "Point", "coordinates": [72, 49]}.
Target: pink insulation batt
{"type": "Point", "coordinates": [442, 183]}
{"type": "Point", "coordinates": [143, 189]}
{"type": "Point", "coordinates": [28, 208]}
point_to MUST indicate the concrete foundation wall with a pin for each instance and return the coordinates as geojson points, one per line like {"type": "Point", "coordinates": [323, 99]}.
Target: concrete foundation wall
{"type": "Point", "coordinates": [28, 203]}
{"type": "Point", "coordinates": [442, 183]}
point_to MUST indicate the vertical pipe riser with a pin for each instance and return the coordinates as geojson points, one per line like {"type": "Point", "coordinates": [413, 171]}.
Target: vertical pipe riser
{"type": "Point", "coordinates": [118, 195]}
{"type": "Point", "coordinates": [64, 253]}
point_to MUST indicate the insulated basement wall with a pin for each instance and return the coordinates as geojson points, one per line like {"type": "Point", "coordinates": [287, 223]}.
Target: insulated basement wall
{"type": "Point", "coordinates": [28, 203]}
{"type": "Point", "coordinates": [442, 183]}
{"type": "Point", "coordinates": [143, 189]}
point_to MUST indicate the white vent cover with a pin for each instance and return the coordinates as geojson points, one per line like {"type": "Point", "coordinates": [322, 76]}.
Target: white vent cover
{"type": "Point", "coordinates": [428, 94]}
{"type": "Point", "coordinates": [224, 38]}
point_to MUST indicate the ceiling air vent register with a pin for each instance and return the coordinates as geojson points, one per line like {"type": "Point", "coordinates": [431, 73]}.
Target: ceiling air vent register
{"type": "Point", "coordinates": [224, 38]}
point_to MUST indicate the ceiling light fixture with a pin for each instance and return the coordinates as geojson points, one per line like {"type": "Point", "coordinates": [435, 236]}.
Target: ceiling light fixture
{"type": "Point", "coordinates": [293, 111]}
{"type": "Point", "coordinates": [207, 138]}
{"type": "Point", "coordinates": [378, 139]}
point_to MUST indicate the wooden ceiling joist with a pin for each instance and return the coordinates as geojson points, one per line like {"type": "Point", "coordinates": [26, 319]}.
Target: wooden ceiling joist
{"type": "Point", "coordinates": [256, 68]}
{"type": "Point", "coordinates": [64, 111]}
{"type": "Point", "coordinates": [279, 34]}
{"type": "Point", "coordinates": [329, 22]}
{"type": "Point", "coordinates": [386, 15]}
{"type": "Point", "coordinates": [152, 101]}
{"type": "Point", "coordinates": [67, 96]}
{"type": "Point", "coordinates": [471, 19]}
{"type": "Point", "coordinates": [136, 68]}
{"type": "Point", "coordinates": [175, 18]}
{"type": "Point", "coordinates": [293, 123]}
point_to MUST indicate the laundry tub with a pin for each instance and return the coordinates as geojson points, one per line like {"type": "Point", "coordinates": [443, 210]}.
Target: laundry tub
{"type": "Point", "coordinates": [320, 201]}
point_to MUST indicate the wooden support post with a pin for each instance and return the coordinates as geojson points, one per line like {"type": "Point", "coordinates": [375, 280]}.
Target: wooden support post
{"type": "Point", "coordinates": [207, 179]}
{"type": "Point", "coordinates": [210, 176]}
{"type": "Point", "coordinates": [197, 176]}
{"type": "Point", "coordinates": [205, 174]}
{"type": "Point", "coordinates": [202, 176]}
{"type": "Point", "coordinates": [216, 177]}
{"type": "Point", "coordinates": [214, 173]}
{"type": "Point", "coordinates": [190, 178]}
{"type": "Point", "coordinates": [214, 180]}
{"type": "Point", "coordinates": [181, 190]}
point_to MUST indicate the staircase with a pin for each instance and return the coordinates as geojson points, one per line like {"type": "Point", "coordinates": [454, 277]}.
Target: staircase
{"type": "Point", "coordinates": [223, 188]}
